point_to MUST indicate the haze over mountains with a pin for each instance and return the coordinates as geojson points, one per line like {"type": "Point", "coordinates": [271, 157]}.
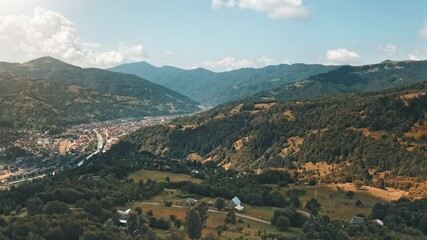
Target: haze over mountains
{"type": "Point", "coordinates": [350, 79]}
{"type": "Point", "coordinates": [46, 91]}
{"type": "Point", "coordinates": [213, 88]}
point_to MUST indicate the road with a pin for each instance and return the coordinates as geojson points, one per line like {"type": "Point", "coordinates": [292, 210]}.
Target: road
{"type": "Point", "coordinates": [211, 210]}
{"type": "Point", "coordinates": [100, 141]}
{"type": "Point", "coordinates": [25, 179]}
{"type": "Point", "coordinates": [98, 149]}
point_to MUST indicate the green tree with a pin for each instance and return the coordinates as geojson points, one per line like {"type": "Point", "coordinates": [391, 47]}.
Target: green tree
{"type": "Point", "coordinates": [283, 223]}
{"type": "Point", "coordinates": [203, 208]}
{"type": "Point", "coordinates": [193, 224]}
{"type": "Point", "coordinates": [218, 231]}
{"type": "Point", "coordinates": [230, 218]}
{"type": "Point", "coordinates": [177, 223]}
{"type": "Point", "coordinates": [294, 200]}
{"type": "Point", "coordinates": [358, 203]}
{"type": "Point", "coordinates": [219, 203]}
{"type": "Point", "coordinates": [138, 210]}
{"type": "Point", "coordinates": [56, 207]}
{"type": "Point", "coordinates": [34, 206]}
{"type": "Point", "coordinates": [313, 206]}
{"type": "Point", "coordinates": [150, 213]}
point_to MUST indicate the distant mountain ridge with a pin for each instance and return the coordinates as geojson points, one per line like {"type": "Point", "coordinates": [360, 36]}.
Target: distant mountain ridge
{"type": "Point", "coordinates": [350, 79]}
{"type": "Point", "coordinates": [213, 88]}
{"type": "Point", "coordinates": [47, 91]}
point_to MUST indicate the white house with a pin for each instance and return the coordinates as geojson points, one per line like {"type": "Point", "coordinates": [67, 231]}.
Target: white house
{"type": "Point", "coordinates": [235, 203]}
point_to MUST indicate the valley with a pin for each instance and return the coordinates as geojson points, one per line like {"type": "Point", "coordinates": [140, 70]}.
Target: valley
{"type": "Point", "coordinates": [213, 120]}
{"type": "Point", "coordinates": [309, 161]}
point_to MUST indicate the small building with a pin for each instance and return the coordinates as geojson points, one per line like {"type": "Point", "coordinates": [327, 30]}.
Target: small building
{"type": "Point", "coordinates": [235, 203]}
{"type": "Point", "coordinates": [379, 222]}
{"type": "Point", "coordinates": [357, 220]}
{"type": "Point", "coordinates": [190, 202]}
{"type": "Point", "coordinates": [123, 216]}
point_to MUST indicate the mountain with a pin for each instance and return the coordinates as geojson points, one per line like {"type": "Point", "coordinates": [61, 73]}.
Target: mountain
{"type": "Point", "coordinates": [212, 88]}
{"type": "Point", "coordinates": [383, 132]}
{"type": "Point", "coordinates": [47, 91]}
{"type": "Point", "coordinates": [350, 79]}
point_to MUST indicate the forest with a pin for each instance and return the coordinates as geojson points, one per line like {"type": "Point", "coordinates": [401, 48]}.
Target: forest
{"type": "Point", "coordinates": [355, 132]}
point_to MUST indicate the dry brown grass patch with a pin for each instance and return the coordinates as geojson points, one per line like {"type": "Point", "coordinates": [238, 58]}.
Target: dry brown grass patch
{"type": "Point", "coordinates": [294, 146]}
{"type": "Point", "coordinates": [368, 133]}
{"type": "Point", "coordinates": [417, 131]}
{"type": "Point", "coordinates": [194, 157]}
{"type": "Point", "coordinates": [227, 166]}
{"type": "Point", "coordinates": [290, 116]}
{"type": "Point", "coordinates": [236, 109]}
{"type": "Point", "coordinates": [409, 96]}
{"type": "Point", "coordinates": [388, 194]}
{"type": "Point", "coordinates": [220, 116]}
{"type": "Point", "coordinates": [239, 144]}
{"type": "Point", "coordinates": [322, 167]}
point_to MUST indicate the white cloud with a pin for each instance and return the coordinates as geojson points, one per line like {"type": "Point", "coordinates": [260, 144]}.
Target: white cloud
{"type": "Point", "coordinates": [223, 3]}
{"type": "Point", "coordinates": [414, 58]}
{"type": "Point", "coordinates": [50, 33]}
{"type": "Point", "coordinates": [342, 56]}
{"type": "Point", "coordinates": [275, 9]}
{"type": "Point", "coordinates": [390, 49]}
{"type": "Point", "coordinates": [168, 53]}
{"type": "Point", "coordinates": [423, 30]}
{"type": "Point", "coordinates": [231, 63]}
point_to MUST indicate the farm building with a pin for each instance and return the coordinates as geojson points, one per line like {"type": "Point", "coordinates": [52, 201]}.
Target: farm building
{"type": "Point", "coordinates": [235, 203]}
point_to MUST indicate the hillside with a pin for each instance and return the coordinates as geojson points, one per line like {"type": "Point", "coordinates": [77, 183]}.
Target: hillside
{"type": "Point", "coordinates": [350, 79]}
{"type": "Point", "coordinates": [356, 136]}
{"type": "Point", "coordinates": [47, 91]}
{"type": "Point", "coordinates": [214, 88]}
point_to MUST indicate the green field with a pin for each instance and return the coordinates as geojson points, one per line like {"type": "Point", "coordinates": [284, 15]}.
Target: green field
{"type": "Point", "coordinates": [334, 203]}
{"type": "Point", "coordinates": [161, 176]}
{"type": "Point", "coordinates": [263, 212]}
{"type": "Point", "coordinates": [250, 228]}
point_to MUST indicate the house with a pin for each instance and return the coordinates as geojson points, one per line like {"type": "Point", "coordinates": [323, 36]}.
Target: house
{"type": "Point", "coordinates": [190, 202]}
{"type": "Point", "coordinates": [123, 216]}
{"type": "Point", "coordinates": [357, 220]}
{"type": "Point", "coordinates": [235, 203]}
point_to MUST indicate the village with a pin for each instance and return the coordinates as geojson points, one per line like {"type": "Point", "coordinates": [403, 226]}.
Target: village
{"type": "Point", "coordinates": [43, 153]}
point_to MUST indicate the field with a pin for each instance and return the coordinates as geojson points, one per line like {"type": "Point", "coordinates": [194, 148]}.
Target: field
{"type": "Point", "coordinates": [161, 176]}
{"type": "Point", "coordinates": [249, 228]}
{"type": "Point", "coordinates": [334, 202]}
{"type": "Point", "coordinates": [259, 211]}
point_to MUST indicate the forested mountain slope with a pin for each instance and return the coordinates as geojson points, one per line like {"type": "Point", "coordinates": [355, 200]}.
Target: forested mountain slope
{"type": "Point", "coordinates": [47, 91]}
{"type": "Point", "coordinates": [357, 135]}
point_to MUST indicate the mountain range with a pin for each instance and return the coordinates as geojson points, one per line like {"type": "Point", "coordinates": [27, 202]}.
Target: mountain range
{"type": "Point", "coordinates": [211, 88]}
{"type": "Point", "coordinates": [45, 92]}
{"type": "Point", "coordinates": [350, 79]}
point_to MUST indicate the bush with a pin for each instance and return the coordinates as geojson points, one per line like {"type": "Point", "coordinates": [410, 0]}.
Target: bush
{"type": "Point", "coordinates": [350, 194]}
{"type": "Point", "coordinates": [312, 182]}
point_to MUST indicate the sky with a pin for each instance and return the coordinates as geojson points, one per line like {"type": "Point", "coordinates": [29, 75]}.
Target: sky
{"type": "Point", "coordinates": [219, 35]}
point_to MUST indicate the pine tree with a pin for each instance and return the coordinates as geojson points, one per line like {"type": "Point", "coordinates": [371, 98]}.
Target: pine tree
{"type": "Point", "coordinates": [193, 224]}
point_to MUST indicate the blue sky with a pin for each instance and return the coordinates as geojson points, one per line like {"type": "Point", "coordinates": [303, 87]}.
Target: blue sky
{"type": "Point", "coordinates": [216, 34]}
